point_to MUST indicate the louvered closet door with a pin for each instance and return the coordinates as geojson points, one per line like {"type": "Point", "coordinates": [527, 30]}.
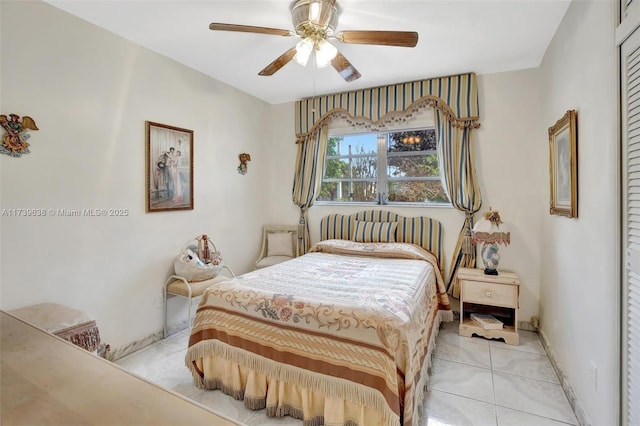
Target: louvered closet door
{"type": "Point", "coordinates": [630, 69]}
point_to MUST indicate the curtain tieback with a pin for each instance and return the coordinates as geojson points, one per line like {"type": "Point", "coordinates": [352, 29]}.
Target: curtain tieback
{"type": "Point", "coordinates": [467, 246]}
{"type": "Point", "coordinates": [302, 224]}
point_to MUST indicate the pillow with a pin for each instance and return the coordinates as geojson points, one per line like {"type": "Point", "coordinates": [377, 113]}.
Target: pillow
{"type": "Point", "coordinates": [374, 232]}
{"type": "Point", "coordinates": [280, 244]}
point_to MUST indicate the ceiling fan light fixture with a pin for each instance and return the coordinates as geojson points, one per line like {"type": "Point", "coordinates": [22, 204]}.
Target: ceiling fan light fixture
{"type": "Point", "coordinates": [310, 12]}
{"type": "Point", "coordinates": [314, 11]}
{"type": "Point", "coordinates": [325, 52]}
{"type": "Point", "coordinates": [303, 51]}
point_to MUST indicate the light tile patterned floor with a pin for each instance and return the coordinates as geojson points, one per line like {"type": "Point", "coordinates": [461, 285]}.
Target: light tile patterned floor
{"type": "Point", "coordinates": [473, 382]}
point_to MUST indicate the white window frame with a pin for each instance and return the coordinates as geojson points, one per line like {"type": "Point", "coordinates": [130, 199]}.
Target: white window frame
{"type": "Point", "coordinates": [382, 178]}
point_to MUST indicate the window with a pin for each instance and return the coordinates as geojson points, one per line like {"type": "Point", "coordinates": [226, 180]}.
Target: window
{"type": "Point", "coordinates": [391, 167]}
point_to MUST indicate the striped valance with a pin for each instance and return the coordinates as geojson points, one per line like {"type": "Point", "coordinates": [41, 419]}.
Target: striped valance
{"type": "Point", "coordinates": [456, 96]}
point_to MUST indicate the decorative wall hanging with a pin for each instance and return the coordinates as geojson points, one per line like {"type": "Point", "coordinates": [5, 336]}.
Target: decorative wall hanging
{"type": "Point", "coordinates": [563, 165]}
{"type": "Point", "coordinates": [169, 171]}
{"type": "Point", "coordinates": [244, 159]}
{"type": "Point", "coordinates": [14, 142]}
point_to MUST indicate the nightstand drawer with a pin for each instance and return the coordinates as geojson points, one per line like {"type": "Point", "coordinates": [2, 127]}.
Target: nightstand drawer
{"type": "Point", "coordinates": [489, 293]}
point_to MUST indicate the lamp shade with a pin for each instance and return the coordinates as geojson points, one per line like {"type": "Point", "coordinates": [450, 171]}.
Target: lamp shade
{"type": "Point", "coordinates": [491, 231]}
{"type": "Point", "coordinates": [325, 52]}
{"type": "Point", "coordinates": [303, 51]}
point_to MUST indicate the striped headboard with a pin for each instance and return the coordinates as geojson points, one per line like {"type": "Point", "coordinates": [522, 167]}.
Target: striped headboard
{"type": "Point", "coordinates": [420, 230]}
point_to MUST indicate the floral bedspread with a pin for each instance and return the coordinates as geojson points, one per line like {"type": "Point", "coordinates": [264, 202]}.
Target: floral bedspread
{"type": "Point", "coordinates": [353, 320]}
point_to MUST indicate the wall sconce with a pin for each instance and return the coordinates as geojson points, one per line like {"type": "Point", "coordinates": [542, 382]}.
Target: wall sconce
{"type": "Point", "coordinates": [244, 159]}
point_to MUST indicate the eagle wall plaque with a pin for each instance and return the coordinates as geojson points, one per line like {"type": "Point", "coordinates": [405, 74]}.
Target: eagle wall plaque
{"type": "Point", "coordinates": [14, 141]}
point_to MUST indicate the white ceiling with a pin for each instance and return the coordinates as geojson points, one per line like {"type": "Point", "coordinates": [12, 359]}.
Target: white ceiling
{"type": "Point", "coordinates": [455, 36]}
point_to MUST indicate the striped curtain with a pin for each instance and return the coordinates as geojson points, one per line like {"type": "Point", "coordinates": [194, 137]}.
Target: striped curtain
{"type": "Point", "coordinates": [455, 102]}
{"type": "Point", "coordinates": [457, 163]}
{"type": "Point", "coordinates": [307, 180]}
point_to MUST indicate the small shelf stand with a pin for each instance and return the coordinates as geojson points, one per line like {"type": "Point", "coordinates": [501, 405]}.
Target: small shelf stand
{"type": "Point", "coordinates": [176, 285]}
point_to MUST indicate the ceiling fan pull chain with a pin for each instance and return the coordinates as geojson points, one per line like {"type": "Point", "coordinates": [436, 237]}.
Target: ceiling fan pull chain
{"type": "Point", "coordinates": [313, 102]}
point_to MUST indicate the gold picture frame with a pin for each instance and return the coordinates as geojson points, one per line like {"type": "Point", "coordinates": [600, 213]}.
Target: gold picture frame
{"type": "Point", "coordinates": [563, 165]}
{"type": "Point", "coordinates": [169, 167]}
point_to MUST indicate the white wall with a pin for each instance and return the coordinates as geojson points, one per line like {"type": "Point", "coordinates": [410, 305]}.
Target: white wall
{"type": "Point", "coordinates": [579, 257]}
{"type": "Point", "coordinates": [90, 93]}
{"type": "Point", "coordinates": [282, 162]}
{"type": "Point", "coordinates": [512, 164]}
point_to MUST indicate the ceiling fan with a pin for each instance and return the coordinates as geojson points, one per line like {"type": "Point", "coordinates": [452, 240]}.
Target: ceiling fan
{"type": "Point", "coordinates": [315, 22]}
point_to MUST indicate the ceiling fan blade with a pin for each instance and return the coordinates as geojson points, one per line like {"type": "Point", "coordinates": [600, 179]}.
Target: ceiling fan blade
{"type": "Point", "coordinates": [216, 26]}
{"type": "Point", "coordinates": [344, 67]}
{"type": "Point", "coordinates": [280, 62]}
{"type": "Point", "coordinates": [326, 11]}
{"type": "Point", "coordinates": [386, 38]}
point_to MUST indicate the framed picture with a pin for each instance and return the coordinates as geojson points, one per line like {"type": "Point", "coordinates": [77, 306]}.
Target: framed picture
{"type": "Point", "coordinates": [563, 165]}
{"type": "Point", "coordinates": [169, 171]}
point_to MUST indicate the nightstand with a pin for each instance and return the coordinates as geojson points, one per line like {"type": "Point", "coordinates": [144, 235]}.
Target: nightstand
{"type": "Point", "coordinates": [497, 295]}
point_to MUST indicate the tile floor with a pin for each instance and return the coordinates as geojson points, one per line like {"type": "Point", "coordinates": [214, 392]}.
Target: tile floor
{"type": "Point", "coordinates": [473, 382]}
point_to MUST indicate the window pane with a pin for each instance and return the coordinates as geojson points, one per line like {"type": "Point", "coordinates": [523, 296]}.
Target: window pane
{"type": "Point", "coordinates": [348, 191]}
{"type": "Point", "coordinates": [336, 169]}
{"type": "Point", "coordinates": [352, 144]}
{"type": "Point", "coordinates": [410, 158]}
{"type": "Point", "coordinates": [417, 192]}
{"type": "Point", "coordinates": [356, 157]}
{"type": "Point", "coordinates": [351, 168]}
{"type": "Point", "coordinates": [413, 165]}
{"type": "Point", "coordinates": [414, 140]}
{"type": "Point", "coordinates": [364, 167]}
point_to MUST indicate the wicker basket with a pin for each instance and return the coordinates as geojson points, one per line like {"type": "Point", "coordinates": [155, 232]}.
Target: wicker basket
{"type": "Point", "coordinates": [195, 263]}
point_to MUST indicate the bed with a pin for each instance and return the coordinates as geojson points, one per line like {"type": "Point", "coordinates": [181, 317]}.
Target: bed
{"type": "Point", "coordinates": [342, 335]}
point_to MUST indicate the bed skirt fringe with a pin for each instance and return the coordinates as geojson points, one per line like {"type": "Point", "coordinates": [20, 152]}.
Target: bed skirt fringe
{"type": "Point", "coordinates": [446, 315]}
{"type": "Point", "coordinates": [288, 410]}
{"type": "Point", "coordinates": [334, 387]}
{"type": "Point", "coordinates": [228, 390]}
{"type": "Point", "coordinates": [425, 372]}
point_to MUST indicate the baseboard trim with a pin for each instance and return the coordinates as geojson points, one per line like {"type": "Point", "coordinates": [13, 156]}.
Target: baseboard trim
{"type": "Point", "coordinates": [115, 354]}
{"type": "Point", "coordinates": [526, 325]}
{"type": "Point", "coordinates": [574, 402]}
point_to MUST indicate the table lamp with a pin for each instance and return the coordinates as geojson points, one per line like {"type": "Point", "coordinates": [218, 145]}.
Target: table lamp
{"type": "Point", "coordinates": [490, 231]}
